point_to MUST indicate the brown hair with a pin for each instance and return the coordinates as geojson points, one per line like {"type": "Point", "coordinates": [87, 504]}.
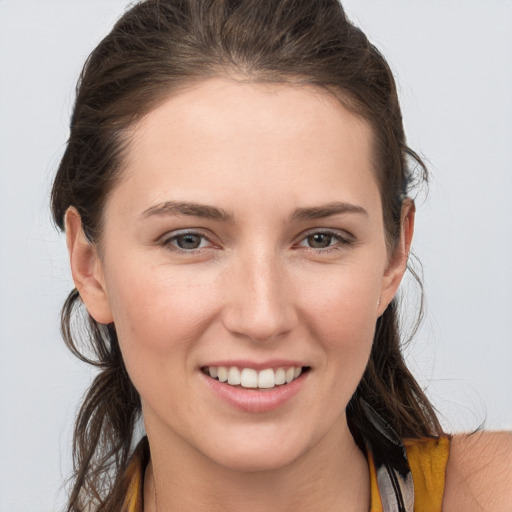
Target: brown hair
{"type": "Point", "coordinates": [157, 47]}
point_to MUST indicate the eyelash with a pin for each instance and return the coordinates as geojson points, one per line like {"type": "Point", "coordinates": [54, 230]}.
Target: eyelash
{"type": "Point", "coordinates": [340, 242]}
{"type": "Point", "coordinates": [167, 242]}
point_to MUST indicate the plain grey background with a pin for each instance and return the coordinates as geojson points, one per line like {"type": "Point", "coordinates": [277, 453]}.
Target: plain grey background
{"type": "Point", "coordinates": [453, 62]}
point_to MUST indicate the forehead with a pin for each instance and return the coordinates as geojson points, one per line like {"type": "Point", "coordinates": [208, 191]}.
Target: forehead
{"type": "Point", "coordinates": [222, 137]}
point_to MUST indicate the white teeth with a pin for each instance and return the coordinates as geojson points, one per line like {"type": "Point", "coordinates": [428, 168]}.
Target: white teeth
{"type": "Point", "coordinates": [250, 378]}
{"type": "Point", "coordinates": [222, 372]}
{"type": "Point", "coordinates": [280, 377]}
{"type": "Point", "coordinates": [234, 376]}
{"type": "Point", "coordinates": [266, 379]}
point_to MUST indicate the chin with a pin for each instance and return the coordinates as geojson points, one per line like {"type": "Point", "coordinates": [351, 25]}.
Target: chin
{"type": "Point", "coordinates": [257, 453]}
{"type": "Point", "coordinates": [255, 461]}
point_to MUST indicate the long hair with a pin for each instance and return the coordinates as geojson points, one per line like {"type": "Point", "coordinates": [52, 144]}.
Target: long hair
{"type": "Point", "coordinates": [156, 48]}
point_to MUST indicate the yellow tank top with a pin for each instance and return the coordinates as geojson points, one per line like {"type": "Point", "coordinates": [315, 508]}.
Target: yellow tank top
{"type": "Point", "coordinates": [427, 458]}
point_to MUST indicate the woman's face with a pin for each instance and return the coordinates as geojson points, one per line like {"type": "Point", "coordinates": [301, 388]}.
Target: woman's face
{"type": "Point", "coordinates": [245, 233]}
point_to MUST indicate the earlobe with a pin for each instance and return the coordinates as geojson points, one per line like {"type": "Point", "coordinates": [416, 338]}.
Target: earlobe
{"type": "Point", "coordinates": [87, 269]}
{"type": "Point", "coordinates": [398, 262]}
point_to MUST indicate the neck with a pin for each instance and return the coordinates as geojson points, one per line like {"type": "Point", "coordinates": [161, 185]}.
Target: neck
{"type": "Point", "coordinates": [331, 476]}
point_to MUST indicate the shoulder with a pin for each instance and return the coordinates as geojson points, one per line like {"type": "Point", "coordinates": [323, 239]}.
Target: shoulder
{"type": "Point", "coordinates": [479, 473]}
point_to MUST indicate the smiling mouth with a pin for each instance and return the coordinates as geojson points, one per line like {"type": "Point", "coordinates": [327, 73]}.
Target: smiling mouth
{"type": "Point", "coordinates": [250, 378]}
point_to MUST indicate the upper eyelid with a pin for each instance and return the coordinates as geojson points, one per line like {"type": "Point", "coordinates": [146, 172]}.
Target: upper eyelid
{"type": "Point", "coordinates": [340, 233]}
{"type": "Point", "coordinates": [169, 235]}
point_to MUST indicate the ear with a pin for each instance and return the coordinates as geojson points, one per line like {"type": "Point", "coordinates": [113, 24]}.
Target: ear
{"type": "Point", "coordinates": [87, 269]}
{"type": "Point", "coordinates": [398, 262]}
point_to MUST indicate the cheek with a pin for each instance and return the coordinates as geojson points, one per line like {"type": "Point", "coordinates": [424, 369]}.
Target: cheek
{"type": "Point", "coordinates": [343, 303]}
{"type": "Point", "coordinates": [341, 313]}
{"type": "Point", "coordinates": [157, 312]}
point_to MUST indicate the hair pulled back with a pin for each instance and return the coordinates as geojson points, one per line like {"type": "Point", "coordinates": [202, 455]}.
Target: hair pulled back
{"type": "Point", "coordinates": [156, 48]}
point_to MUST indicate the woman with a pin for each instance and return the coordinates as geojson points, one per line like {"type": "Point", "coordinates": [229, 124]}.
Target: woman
{"type": "Point", "coordinates": [235, 198]}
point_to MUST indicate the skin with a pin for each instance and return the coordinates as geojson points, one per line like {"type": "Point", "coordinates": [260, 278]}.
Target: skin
{"type": "Point", "coordinates": [479, 473]}
{"type": "Point", "coordinates": [254, 289]}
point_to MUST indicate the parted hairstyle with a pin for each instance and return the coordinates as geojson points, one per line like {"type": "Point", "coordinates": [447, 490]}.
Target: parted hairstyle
{"type": "Point", "coordinates": [156, 48]}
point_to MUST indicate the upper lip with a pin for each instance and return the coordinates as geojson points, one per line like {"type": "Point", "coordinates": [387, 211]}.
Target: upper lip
{"type": "Point", "coordinates": [264, 365]}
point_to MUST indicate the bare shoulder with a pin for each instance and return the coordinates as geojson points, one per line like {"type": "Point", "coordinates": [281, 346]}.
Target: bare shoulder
{"type": "Point", "coordinates": [479, 473]}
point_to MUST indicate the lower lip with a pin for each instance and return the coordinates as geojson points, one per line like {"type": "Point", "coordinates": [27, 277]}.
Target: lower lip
{"type": "Point", "coordinates": [254, 400]}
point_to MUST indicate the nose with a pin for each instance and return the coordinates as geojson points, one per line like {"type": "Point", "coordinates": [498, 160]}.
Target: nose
{"type": "Point", "coordinates": [259, 303]}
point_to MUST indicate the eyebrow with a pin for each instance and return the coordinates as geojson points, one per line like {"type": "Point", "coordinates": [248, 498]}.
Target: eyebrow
{"type": "Point", "coordinates": [327, 210]}
{"type": "Point", "coordinates": [171, 208]}
{"type": "Point", "coordinates": [174, 208]}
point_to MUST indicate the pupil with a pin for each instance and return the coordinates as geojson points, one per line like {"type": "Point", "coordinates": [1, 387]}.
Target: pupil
{"type": "Point", "coordinates": [189, 241]}
{"type": "Point", "coordinates": [320, 240]}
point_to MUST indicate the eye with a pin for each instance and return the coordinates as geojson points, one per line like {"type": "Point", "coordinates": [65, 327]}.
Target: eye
{"type": "Point", "coordinates": [319, 240]}
{"type": "Point", "coordinates": [186, 242]}
{"type": "Point", "coordinates": [324, 241]}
